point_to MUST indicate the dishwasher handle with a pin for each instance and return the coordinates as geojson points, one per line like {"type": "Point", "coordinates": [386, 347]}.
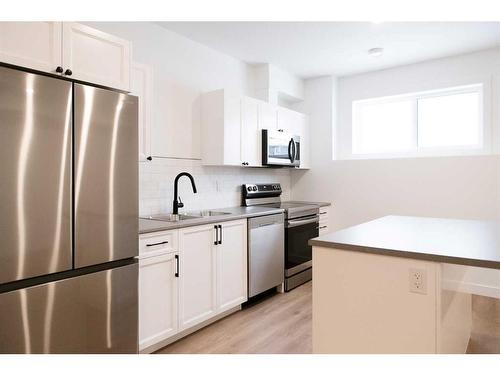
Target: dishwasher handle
{"type": "Point", "coordinates": [264, 221]}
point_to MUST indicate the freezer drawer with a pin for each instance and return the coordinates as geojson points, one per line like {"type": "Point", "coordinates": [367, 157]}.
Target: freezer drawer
{"type": "Point", "coordinates": [35, 187]}
{"type": "Point", "coordinates": [106, 176]}
{"type": "Point", "coordinates": [93, 313]}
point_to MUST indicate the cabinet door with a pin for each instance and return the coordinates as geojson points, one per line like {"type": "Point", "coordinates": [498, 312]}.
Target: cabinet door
{"type": "Point", "coordinates": [251, 152]}
{"type": "Point", "coordinates": [232, 265]}
{"type": "Point", "coordinates": [288, 120]}
{"type": "Point", "coordinates": [197, 300]}
{"type": "Point", "coordinates": [96, 57]}
{"type": "Point", "coordinates": [141, 82]}
{"type": "Point", "coordinates": [268, 116]}
{"type": "Point", "coordinates": [158, 299]}
{"type": "Point", "coordinates": [35, 45]}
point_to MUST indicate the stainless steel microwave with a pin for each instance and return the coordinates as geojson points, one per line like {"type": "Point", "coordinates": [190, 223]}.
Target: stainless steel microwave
{"type": "Point", "coordinates": [280, 148]}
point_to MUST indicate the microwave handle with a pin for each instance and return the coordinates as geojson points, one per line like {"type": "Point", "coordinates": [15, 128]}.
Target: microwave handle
{"type": "Point", "coordinates": [291, 150]}
{"type": "Point", "coordinates": [294, 150]}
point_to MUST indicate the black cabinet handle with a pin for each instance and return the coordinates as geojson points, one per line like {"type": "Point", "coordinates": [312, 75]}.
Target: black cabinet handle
{"type": "Point", "coordinates": [177, 265]}
{"type": "Point", "coordinates": [216, 235]}
{"type": "Point", "coordinates": [220, 240]}
{"type": "Point", "coordinates": [68, 72]}
{"type": "Point", "coordinates": [59, 69]}
{"type": "Point", "coordinates": [149, 158]}
{"type": "Point", "coordinates": [156, 244]}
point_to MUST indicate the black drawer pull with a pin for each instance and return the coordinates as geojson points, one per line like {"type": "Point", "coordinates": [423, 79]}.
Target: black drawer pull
{"type": "Point", "coordinates": [323, 227]}
{"type": "Point", "coordinates": [216, 234]}
{"type": "Point", "coordinates": [177, 265]}
{"type": "Point", "coordinates": [156, 244]}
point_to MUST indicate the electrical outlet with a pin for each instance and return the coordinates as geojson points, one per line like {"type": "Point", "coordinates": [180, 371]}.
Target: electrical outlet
{"type": "Point", "coordinates": [418, 280]}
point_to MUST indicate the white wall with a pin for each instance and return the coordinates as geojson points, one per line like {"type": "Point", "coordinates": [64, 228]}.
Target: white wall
{"type": "Point", "coordinates": [183, 69]}
{"type": "Point", "coordinates": [361, 190]}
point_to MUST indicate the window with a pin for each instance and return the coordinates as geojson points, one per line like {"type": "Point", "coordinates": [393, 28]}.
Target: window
{"type": "Point", "coordinates": [425, 123]}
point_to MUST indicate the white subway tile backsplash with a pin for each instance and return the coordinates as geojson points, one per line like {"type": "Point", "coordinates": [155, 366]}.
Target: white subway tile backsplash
{"type": "Point", "coordinates": [218, 187]}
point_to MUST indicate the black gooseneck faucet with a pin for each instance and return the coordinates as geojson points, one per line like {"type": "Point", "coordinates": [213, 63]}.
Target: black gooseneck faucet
{"type": "Point", "coordinates": [177, 200]}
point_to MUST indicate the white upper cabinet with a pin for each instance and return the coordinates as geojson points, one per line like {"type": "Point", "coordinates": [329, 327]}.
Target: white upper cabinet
{"type": "Point", "coordinates": [197, 274]}
{"type": "Point", "coordinates": [296, 123]}
{"type": "Point", "coordinates": [231, 129]}
{"type": "Point", "coordinates": [289, 121]}
{"type": "Point", "coordinates": [268, 116]}
{"type": "Point", "coordinates": [221, 128]}
{"type": "Point", "coordinates": [251, 151]}
{"type": "Point", "coordinates": [69, 49]}
{"type": "Point", "coordinates": [93, 56]}
{"type": "Point", "coordinates": [232, 265]}
{"type": "Point", "coordinates": [34, 45]}
{"type": "Point", "coordinates": [141, 85]}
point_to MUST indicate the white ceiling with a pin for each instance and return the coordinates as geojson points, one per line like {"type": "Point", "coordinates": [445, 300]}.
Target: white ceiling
{"type": "Point", "coordinates": [310, 49]}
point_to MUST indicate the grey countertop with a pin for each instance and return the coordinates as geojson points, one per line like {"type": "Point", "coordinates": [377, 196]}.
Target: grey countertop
{"type": "Point", "coordinates": [235, 213]}
{"type": "Point", "coordinates": [466, 242]}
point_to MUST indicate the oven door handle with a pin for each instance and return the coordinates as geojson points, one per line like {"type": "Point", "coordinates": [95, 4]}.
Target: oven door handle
{"type": "Point", "coordinates": [296, 223]}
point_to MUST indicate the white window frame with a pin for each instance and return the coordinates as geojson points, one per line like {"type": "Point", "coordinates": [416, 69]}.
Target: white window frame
{"type": "Point", "coordinates": [483, 147]}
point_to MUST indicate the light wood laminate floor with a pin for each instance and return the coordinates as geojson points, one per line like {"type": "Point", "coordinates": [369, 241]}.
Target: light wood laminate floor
{"type": "Point", "coordinates": [282, 323]}
{"type": "Point", "coordinates": [278, 324]}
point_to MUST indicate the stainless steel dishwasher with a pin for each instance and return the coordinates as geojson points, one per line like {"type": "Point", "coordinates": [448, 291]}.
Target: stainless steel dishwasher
{"type": "Point", "coordinates": [266, 253]}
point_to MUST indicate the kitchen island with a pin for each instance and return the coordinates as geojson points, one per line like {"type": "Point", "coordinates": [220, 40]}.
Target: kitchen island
{"type": "Point", "coordinates": [402, 284]}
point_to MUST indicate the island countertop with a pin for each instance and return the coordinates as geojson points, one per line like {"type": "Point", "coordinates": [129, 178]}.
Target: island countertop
{"type": "Point", "coordinates": [465, 242]}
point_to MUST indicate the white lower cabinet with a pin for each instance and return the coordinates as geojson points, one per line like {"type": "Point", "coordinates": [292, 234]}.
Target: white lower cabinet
{"type": "Point", "coordinates": [197, 275]}
{"type": "Point", "coordinates": [158, 299]}
{"type": "Point", "coordinates": [232, 265]}
{"type": "Point", "coordinates": [188, 276]}
{"type": "Point", "coordinates": [324, 220]}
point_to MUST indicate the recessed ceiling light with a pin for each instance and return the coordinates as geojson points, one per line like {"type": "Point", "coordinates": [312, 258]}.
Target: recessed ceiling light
{"type": "Point", "coordinates": [376, 52]}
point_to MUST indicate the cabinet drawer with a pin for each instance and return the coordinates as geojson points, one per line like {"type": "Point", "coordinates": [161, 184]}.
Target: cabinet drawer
{"type": "Point", "coordinates": [160, 242]}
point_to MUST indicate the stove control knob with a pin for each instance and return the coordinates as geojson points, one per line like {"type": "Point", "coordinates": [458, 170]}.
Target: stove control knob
{"type": "Point", "coordinates": [254, 188]}
{"type": "Point", "coordinates": [249, 188]}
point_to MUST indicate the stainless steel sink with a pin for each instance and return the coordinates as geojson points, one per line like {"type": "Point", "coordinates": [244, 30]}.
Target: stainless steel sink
{"type": "Point", "coordinates": [187, 216]}
{"type": "Point", "coordinates": [172, 218]}
{"type": "Point", "coordinates": [204, 213]}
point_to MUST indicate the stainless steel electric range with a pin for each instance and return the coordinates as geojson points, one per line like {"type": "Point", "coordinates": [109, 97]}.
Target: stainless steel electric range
{"type": "Point", "coordinates": [301, 224]}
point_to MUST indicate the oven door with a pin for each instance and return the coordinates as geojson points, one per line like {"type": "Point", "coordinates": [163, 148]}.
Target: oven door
{"type": "Point", "coordinates": [280, 148]}
{"type": "Point", "coordinates": [298, 253]}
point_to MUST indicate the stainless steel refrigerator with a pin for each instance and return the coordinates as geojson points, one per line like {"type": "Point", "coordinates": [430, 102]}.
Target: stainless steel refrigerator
{"type": "Point", "coordinates": [68, 216]}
